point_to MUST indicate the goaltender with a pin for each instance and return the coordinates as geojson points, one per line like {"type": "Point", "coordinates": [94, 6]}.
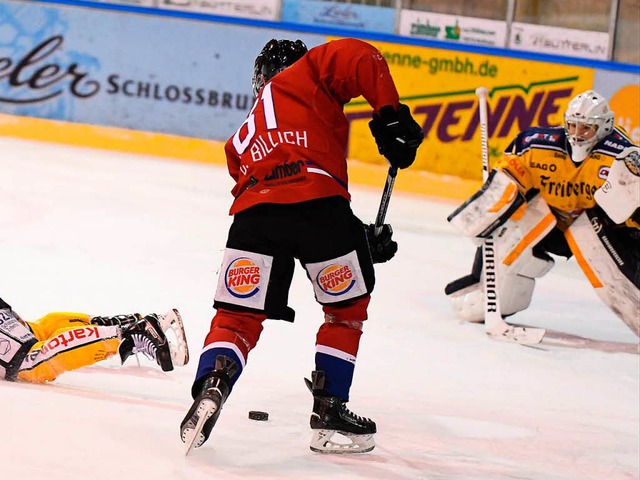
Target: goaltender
{"type": "Point", "coordinates": [565, 191]}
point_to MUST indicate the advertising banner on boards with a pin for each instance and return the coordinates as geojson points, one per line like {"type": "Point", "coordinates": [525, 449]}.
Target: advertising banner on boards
{"type": "Point", "coordinates": [453, 28]}
{"type": "Point", "coordinates": [339, 14]}
{"type": "Point", "coordinates": [259, 9]}
{"type": "Point", "coordinates": [439, 87]}
{"type": "Point", "coordinates": [559, 41]}
{"type": "Point", "coordinates": [135, 3]}
{"type": "Point", "coordinates": [132, 71]}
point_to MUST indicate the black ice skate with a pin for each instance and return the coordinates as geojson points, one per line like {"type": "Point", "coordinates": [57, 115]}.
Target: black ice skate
{"type": "Point", "coordinates": [205, 410]}
{"type": "Point", "coordinates": [335, 428]}
{"type": "Point", "coordinates": [148, 335]}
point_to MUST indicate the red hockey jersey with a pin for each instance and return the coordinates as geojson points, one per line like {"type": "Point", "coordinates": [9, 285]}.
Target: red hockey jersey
{"type": "Point", "coordinates": [292, 146]}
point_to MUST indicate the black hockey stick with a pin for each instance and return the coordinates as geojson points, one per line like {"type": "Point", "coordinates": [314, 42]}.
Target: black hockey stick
{"type": "Point", "coordinates": [384, 201]}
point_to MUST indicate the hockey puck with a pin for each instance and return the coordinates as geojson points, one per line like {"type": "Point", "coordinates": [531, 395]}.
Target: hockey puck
{"type": "Point", "coordinates": [259, 416]}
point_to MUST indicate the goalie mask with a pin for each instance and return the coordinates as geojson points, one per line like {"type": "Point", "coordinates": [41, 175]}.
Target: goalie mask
{"type": "Point", "coordinates": [275, 57]}
{"type": "Point", "coordinates": [588, 120]}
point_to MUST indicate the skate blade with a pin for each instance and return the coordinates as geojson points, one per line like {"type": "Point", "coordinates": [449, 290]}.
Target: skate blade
{"type": "Point", "coordinates": [324, 441]}
{"type": "Point", "coordinates": [178, 346]}
{"type": "Point", "coordinates": [193, 437]}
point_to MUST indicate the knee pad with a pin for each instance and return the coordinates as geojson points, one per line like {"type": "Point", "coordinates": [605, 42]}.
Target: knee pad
{"type": "Point", "coordinates": [241, 328]}
{"type": "Point", "coordinates": [338, 340]}
{"type": "Point", "coordinates": [351, 314]}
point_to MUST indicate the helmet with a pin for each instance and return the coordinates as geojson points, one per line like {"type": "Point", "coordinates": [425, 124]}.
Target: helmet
{"type": "Point", "coordinates": [588, 120]}
{"type": "Point", "coordinates": [275, 57]}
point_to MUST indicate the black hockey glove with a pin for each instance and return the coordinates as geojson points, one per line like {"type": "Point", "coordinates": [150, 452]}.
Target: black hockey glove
{"type": "Point", "coordinates": [397, 135]}
{"type": "Point", "coordinates": [382, 247]}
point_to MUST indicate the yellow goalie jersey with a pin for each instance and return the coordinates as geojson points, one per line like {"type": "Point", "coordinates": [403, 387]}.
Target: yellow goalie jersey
{"type": "Point", "coordinates": [539, 158]}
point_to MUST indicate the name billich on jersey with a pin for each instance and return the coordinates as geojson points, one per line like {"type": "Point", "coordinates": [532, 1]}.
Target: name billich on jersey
{"type": "Point", "coordinates": [264, 144]}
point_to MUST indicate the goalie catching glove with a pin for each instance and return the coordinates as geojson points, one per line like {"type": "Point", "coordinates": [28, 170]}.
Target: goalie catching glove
{"type": "Point", "coordinates": [397, 135]}
{"type": "Point", "coordinates": [381, 246]}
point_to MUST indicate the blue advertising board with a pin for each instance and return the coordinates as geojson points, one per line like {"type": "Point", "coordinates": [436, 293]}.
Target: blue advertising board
{"type": "Point", "coordinates": [339, 14]}
{"type": "Point", "coordinates": [142, 72]}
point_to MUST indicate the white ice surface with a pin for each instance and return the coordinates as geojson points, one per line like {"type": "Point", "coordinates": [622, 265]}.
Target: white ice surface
{"type": "Point", "coordinates": [108, 233]}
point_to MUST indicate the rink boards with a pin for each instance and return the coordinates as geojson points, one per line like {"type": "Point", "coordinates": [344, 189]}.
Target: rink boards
{"type": "Point", "coordinates": [174, 147]}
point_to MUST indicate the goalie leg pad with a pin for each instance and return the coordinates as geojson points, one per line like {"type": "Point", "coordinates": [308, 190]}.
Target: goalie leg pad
{"type": "Point", "coordinates": [517, 238]}
{"type": "Point", "coordinates": [610, 261]}
{"type": "Point", "coordinates": [515, 295]}
{"type": "Point", "coordinates": [468, 302]}
{"type": "Point", "coordinates": [488, 208]}
{"type": "Point", "coordinates": [518, 267]}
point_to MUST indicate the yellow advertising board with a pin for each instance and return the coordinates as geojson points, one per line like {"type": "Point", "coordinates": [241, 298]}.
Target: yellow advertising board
{"type": "Point", "coordinates": [625, 103]}
{"type": "Point", "coordinates": [439, 87]}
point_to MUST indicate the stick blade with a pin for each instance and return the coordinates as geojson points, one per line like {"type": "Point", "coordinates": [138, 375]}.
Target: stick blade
{"type": "Point", "coordinates": [521, 335]}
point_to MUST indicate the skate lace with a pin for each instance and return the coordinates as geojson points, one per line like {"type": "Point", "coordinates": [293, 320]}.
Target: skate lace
{"type": "Point", "coordinates": [143, 344]}
{"type": "Point", "coordinates": [349, 414]}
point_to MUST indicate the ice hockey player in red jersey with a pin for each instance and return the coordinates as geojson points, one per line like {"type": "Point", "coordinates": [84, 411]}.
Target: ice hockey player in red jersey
{"type": "Point", "coordinates": [42, 350]}
{"type": "Point", "coordinates": [566, 191]}
{"type": "Point", "coordinates": [291, 201]}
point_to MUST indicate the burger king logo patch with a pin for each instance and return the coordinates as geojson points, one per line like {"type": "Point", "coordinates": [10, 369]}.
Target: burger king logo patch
{"type": "Point", "coordinates": [242, 278]}
{"type": "Point", "coordinates": [336, 279]}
